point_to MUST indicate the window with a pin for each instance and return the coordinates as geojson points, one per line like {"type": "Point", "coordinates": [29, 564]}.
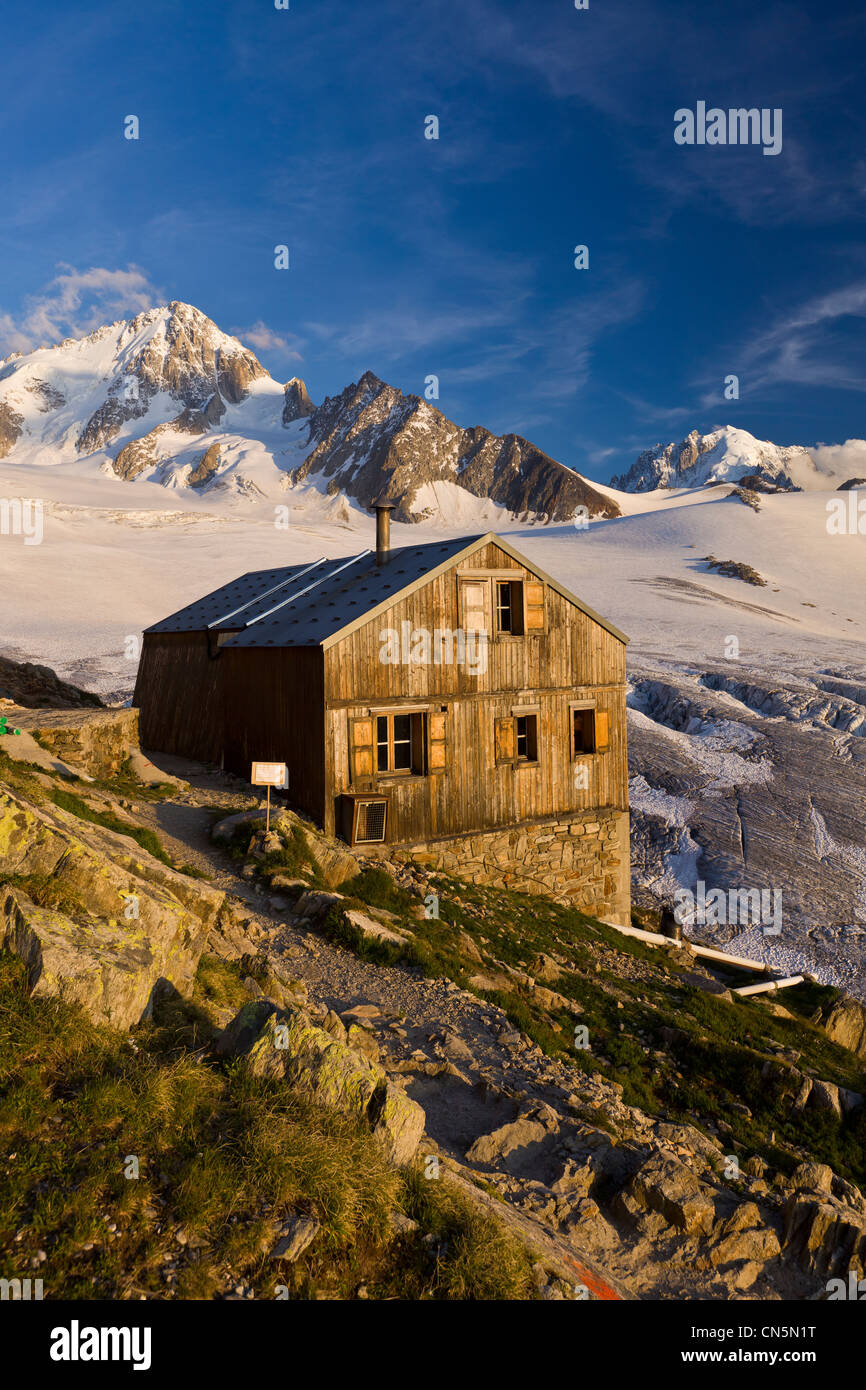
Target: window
{"type": "Point", "coordinates": [590, 730]}
{"type": "Point", "coordinates": [516, 739]}
{"type": "Point", "coordinates": [401, 743]}
{"type": "Point", "coordinates": [509, 607]}
{"type": "Point", "coordinates": [474, 596]}
{"type": "Point", "coordinates": [583, 731]}
{"type": "Point", "coordinates": [526, 738]}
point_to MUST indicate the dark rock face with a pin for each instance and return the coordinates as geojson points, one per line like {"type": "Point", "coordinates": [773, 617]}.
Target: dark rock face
{"type": "Point", "coordinates": [851, 484]}
{"type": "Point", "coordinates": [186, 357]}
{"type": "Point", "coordinates": [48, 396]}
{"type": "Point", "coordinates": [768, 482]}
{"type": "Point", "coordinates": [298, 404]}
{"type": "Point", "coordinates": [372, 440]}
{"type": "Point", "coordinates": [38, 687]}
{"type": "Point", "coordinates": [141, 454]}
{"type": "Point", "coordinates": [206, 467]}
{"type": "Point", "coordinates": [11, 424]}
{"type": "Point", "coordinates": [703, 459]}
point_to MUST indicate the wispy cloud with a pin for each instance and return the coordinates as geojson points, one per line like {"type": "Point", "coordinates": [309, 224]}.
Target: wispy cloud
{"type": "Point", "coordinates": [265, 339]}
{"type": "Point", "coordinates": [74, 303]}
{"type": "Point", "coordinates": [804, 347]}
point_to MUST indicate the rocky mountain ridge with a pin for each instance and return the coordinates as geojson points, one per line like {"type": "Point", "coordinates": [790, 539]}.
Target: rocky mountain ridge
{"type": "Point", "coordinates": [725, 455]}
{"type": "Point", "coordinates": [167, 397]}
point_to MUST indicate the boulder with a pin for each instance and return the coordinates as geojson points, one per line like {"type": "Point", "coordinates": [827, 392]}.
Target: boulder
{"type": "Point", "coordinates": [333, 1024]}
{"type": "Point", "coordinates": [372, 930]}
{"type": "Point", "coordinates": [361, 1040]}
{"type": "Point", "coordinates": [520, 1147]}
{"type": "Point", "coordinates": [824, 1095]}
{"type": "Point", "coordinates": [127, 922]}
{"type": "Point", "coordinates": [812, 1177]}
{"type": "Point", "coordinates": [545, 968]}
{"type": "Point", "coordinates": [670, 1188]}
{"type": "Point", "coordinates": [314, 905]}
{"type": "Point", "coordinates": [825, 1236]}
{"type": "Point", "coordinates": [286, 1043]}
{"type": "Point", "coordinates": [295, 1235]}
{"type": "Point", "coordinates": [756, 1244]}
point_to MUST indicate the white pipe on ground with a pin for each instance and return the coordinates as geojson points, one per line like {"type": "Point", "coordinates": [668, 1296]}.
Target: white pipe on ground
{"type": "Point", "coordinates": [769, 984]}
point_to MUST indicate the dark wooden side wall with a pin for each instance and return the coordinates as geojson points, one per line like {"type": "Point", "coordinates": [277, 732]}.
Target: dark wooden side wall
{"type": "Point", "coordinates": [274, 712]}
{"type": "Point", "coordinates": [573, 658]}
{"type": "Point", "coordinates": [178, 694]}
{"type": "Point", "coordinates": [242, 705]}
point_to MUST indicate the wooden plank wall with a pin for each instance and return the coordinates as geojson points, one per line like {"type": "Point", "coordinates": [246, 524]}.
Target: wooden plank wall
{"type": "Point", "coordinates": [178, 694]}
{"type": "Point", "coordinates": [574, 658]}
{"type": "Point", "coordinates": [274, 712]}
{"type": "Point", "coordinates": [245, 704]}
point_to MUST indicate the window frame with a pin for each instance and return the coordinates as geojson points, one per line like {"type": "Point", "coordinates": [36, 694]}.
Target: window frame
{"type": "Point", "coordinates": [418, 741]}
{"type": "Point", "coordinates": [523, 623]}
{"type": "Point", "coordinates": [515, 714]}
{"type": "Point", "coordinates": [588, 707]}
{"type": "Point", "coordinates": [516, 607]}
{"type": "Point", "coordinates": [531, 736]}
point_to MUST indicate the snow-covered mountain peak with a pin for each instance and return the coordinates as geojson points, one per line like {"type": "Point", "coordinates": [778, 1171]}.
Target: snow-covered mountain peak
{"type": "Point", "coordinates": [167, 397]}
{"type": "Point", "coordinates": [725, 455]}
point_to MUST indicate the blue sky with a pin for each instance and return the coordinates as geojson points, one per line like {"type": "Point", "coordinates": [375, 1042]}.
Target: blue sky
{"type": "Point", "coordinates": [454, 257]}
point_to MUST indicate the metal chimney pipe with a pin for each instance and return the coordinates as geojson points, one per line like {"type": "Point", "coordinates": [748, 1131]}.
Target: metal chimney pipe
{"type": "Point", "coordinates": [384, 508]}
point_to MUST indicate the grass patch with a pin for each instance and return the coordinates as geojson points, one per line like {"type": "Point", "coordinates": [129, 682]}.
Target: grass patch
{"type": "Point", "coordinates": [223, 1158]}
{"type": "Point", "coordinates": [49, 891]}
{"type": "Point", "coordinates": [144, 837]}
{"type": "Point", "coordinates": [376, 888]}
{"type": "Point", "coordinates": [630, 995]}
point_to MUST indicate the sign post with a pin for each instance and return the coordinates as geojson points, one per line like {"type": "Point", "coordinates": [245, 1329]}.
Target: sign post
{"type": "Point", "coordinates": [269, 775]}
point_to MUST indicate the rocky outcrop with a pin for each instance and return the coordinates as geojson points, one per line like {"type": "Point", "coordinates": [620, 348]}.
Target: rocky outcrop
{"type": "Point", "coordinates": [206, 468]}
{"type": "Point", "coordinates": [844, 1022]}
{"type": "Point", "coordinates": [286, 1043]}
{"type": "Point", "coordinates": [121, 922]}
{"type": "Point", "coordinates": [184, 356]}
{"type": "Point", "coordinates": [670, 1188]}
{"type": "Point", "coordinates": [297, 403]}
{"type": "Point", "coordinates": [48, 396]}
{"type": "Point", "coordinates": [373, 441]}
{"type": "Point", "coordinates": [331, 860]}
{"type": "Point", "coordinates": [725, 455]}
{"type": "Point", "coordinates": [108, 420]}
{"type": "Point", "coordinates": [96, 742]}
{"type": "Point", "coordinates": [144, 453]}
{"type": "Point", "coordinates": [11, 425]}
{"type": "Point", "coordinates": [826, 1234]}
{"type": "Point", "coordinates": [38, 687]}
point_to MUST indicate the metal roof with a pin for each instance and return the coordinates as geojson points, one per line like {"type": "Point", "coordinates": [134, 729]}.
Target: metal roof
{"type": "Point", "coordinates": [316, 604]}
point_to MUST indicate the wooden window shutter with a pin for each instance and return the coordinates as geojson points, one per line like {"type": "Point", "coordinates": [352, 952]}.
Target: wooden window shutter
{"type": "Point", "coordinates": [504, 740]}
{"type": "Point", "coordinates": [602, 731]}
{"type": "Point", "coordinates": [438, 742]}
{"type": "Point", "coordinates": [474, 596]}
{"type": "Point", "coordinates": [534, 606]}
{"type": "Point", "coordinates": [361, 746]}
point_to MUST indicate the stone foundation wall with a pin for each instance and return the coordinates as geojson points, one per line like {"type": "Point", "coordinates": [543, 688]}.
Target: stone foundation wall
{"type": "Point", "coordinates": [99, 741]}
{"type": "Point", "coordinates": [582, 860]}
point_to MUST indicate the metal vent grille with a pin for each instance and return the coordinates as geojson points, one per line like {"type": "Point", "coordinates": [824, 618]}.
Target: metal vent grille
{"type": "Point", "coordinates": [370, 823]}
